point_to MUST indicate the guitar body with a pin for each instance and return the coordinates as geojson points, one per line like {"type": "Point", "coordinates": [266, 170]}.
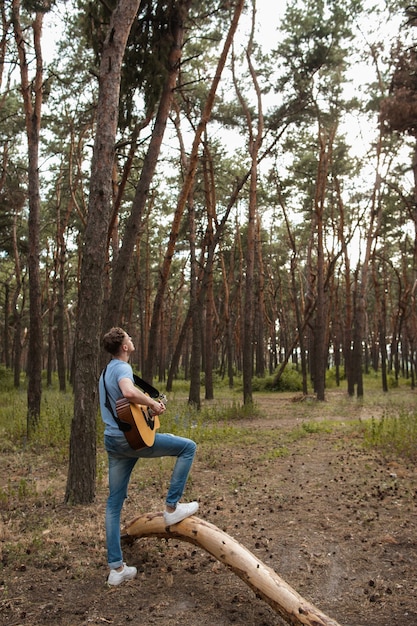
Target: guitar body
{"type": "Point", "coordinates": [143, 423]}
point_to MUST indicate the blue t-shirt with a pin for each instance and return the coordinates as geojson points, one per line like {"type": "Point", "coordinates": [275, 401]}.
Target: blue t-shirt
{"type": "Point", "coordinates": [116, 370]}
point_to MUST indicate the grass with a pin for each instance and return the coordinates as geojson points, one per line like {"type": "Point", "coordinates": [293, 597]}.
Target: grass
{"type": "Point", "coordinates": [213, 422]}
{"type": "Point", "coordinates": [54, 427]}
{"type": "Point", "coordinates": [34, 471]}
{"type": "Point", "coordinates": [387, 421]}
{"type": "Point", "coordinates": [393, 434]}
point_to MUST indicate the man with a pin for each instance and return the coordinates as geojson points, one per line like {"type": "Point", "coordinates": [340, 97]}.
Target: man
{"type": "Point", "coordinates": [122, 458]}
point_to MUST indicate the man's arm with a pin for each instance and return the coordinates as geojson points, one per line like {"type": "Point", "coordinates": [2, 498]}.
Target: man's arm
{"type": "Point", "coordinates": [135, 395]}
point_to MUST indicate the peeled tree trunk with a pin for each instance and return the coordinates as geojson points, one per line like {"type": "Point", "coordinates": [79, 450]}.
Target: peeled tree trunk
{"type": "Point", "coordinates": [284, 600]}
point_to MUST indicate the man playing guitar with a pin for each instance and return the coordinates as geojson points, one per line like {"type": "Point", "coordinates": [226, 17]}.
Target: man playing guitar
{"type": "Point", "coordinates": [116, 381]}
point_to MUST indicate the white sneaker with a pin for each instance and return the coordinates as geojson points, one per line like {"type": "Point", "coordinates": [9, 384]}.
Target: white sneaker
{"type": "Point", "coordinates": [127, 573]}
{"type": "Point", "coordinates": [181, 512]}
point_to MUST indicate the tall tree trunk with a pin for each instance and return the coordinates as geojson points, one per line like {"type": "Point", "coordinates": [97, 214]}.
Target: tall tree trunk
{"type": "Point", "coordinates": [259, 310]}
{"type": "Point", "coordinates": [17, 315]}
{"type": "Point", "coordinates": [412, 324]}
{"type": "Point", "coordinates": [134, 223]}
{"type": "Point", "coordinates": [80, 487]}
{"type": "Point", "coordinates": [6, 321]}
{"type": "Point", "coordinates": [254, 144]}
{"type": "Point", "coordinates": [32, 110]}
{"type": "Point", "coordinates": [379, 326]}
{"type": "Point", "coordinates": [209, 189]}
{"type": "Point", "coordinates": [247, 356]}
{"type": "Point", "coordinates": [60, 318]}
{"type": "Point", "coordinates": [361, 286]}
{"type": "Point", "coordinates": [183, 197]}
{"type": "Point", "coordinates": [227, 318]}
{"type": "Point", "coordinates": [320, 331]}
{"type": "Point", "coordinates": [295, 296]}
{"type": "Point", "coordinates": [60, 266]}
{"type": "Point", "coordinates": [411, 330]}
{"type": "Point", "coordinates": [347, 316]}
{"type": "Point", "coordinates": [301, 336]}
{"type": "Point", "coordinates": [195, 361]}
{"type": "Point", "coordinates": [173, 368]}
{"type": "Point", "coordinates": [50, 354]}
{"type": "Point", "coordinates": [359, 313]}
{"type": "Point", "coordinates": [209, 341]}
{"type": "Point", "coordinates": [204, 281]}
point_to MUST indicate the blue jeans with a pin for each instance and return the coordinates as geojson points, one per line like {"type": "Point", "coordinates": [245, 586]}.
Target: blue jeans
{"type": "Point", "coordinates": [122, 459]}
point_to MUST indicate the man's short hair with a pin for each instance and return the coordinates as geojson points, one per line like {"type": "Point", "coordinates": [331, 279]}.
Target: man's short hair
{"type": "Point", "coordinates": [113, 340]}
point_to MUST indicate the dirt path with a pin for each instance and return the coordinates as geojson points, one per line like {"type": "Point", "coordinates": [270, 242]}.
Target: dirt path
{"type": "Point", "coordinates": [336, 521]}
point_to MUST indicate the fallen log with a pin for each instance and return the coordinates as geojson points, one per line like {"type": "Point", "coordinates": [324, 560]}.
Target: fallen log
{"type": "Point", "coordinates": [263, 580]}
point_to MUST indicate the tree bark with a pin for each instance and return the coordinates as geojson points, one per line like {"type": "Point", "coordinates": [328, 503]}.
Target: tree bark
{"type": "Point", "coordinates": [259, 312]}
{"type": "Point", "coordinates": [227, 317]}
{"type": "Point", "coordinates": [254, 144]}
{"type": "Point", "coordinates": [32, 109]}
{"type": "Point", "coordinates": [379, 323]}
{"type": "Point", "coordinates": [16, 313]}
{"type": "Point", "coordinates": [295, 293]}
{"type": "Point", "coordinates": [210, 196]}
{"type": "Point", "coordinates": [183, 197]}
{"type": "Point", "coordinates": [80, 487]}
{"type": "Point", "coordinates": [134, 223]}
{"type": "Point", "coordinates": [194, 398]}
{"type": "Point", "coordinates": [362, 283]}
{"type": "Point", "coordinates": [284, 600]}
{"type": "Point", "coordinates": [320, 329]}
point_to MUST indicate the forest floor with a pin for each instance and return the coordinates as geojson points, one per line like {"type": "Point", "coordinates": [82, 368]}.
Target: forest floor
{"type": "Point", "coordinates": [336, 520]}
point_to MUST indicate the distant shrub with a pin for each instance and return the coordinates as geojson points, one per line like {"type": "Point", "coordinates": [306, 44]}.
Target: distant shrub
{"type": "Point", "coordinates": [6, 379]}
{"type": "Point", "coordinates": [392, 381]}
{"type": "Point", "coordinates": [331, 377]}
{"type": "Point", "coordinates": [290, 380]}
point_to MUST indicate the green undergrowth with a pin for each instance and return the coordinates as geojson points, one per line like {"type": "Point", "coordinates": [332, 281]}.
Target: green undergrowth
{"type": "Point", "coordinates": [394, 434]}
{"type": "Point", "coordinates": [387, 422]}
{"type": "Point", "coordinates": [215, 419]}
{"type": "Point", "coordinates": [54, 425]}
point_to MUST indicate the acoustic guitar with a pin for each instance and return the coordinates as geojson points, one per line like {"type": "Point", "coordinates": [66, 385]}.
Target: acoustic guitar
{"type": "Point", "coordinates": [143, 423]}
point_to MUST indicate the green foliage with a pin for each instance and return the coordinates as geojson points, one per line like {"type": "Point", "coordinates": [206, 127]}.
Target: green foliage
{"type": "Point", "coordinates": [6, 382]}
{"type": "Point", "coordinates": [316, 427]}
{"type": "Point", "coordinates": [290, 380]}
{"type": "Point", "coordinates": [57, 412]}
{"type": "Point", "coordinates": [22, 490]}
{"type": "Point", "coordinates": [38, 6]}
{"type": "Point", "coordinates": [145, 64]}
{"type": "Point", "coordinates": [331, 377]}
{"type": "Point", "coordinates": [395, 433]}
{"type": "Point", "coordinates": [13, 404]}
{"type": "Point", "coordinates": [54, 427]}
{"type": "Point", "coordinates": [275, 453]}
{"type": "Point", "coordinates": [392, 381]}
{"type": "Point", "coordinates": [212, 422]}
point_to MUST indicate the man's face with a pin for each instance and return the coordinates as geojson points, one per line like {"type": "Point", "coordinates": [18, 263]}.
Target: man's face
{"type": "Point", "coordinates": [128, 343]}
